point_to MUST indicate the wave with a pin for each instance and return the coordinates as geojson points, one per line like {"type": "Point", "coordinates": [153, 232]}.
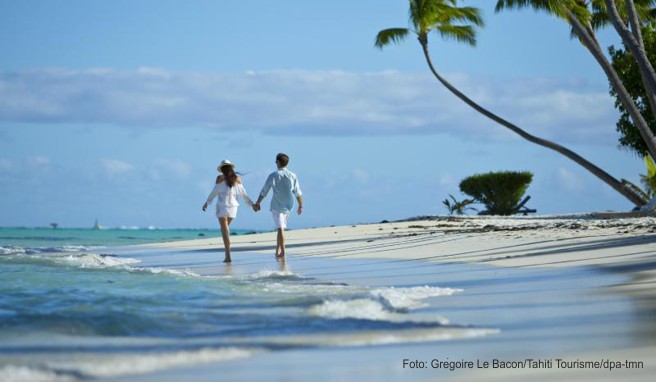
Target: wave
{"type": "Point", "coordinates": [412, 298]}
{"type": "Point", "coordinates": [359, 308]}
{"type": "Point", "coordinates": [87, 367]}
{"type": "Point", "coordinates": [383, 304]}
{"type": "Point", "coordinates": [276, 275]}
{"type": "Point", "coordinates": [382, 337]}
{"type": "Point", "coordinates": [166, 271]}
{"type": "Point", "coordinates": [66, 258]}
{"type": "Point", "coordinates": [76, 256]}
{"type": "Point", "coordinates": [23, 373]}
{"type": "Point", "coordinates": [16, 250]}
{"type": "Point", "coordinates": [95, 261]}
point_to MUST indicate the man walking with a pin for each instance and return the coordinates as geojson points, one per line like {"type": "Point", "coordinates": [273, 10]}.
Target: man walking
{"type": "Point", "coordinates": [285, 188]}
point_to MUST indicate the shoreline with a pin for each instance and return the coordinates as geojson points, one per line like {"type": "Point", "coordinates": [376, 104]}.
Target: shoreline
{"type": "Point", "coordinates": [555, 287]}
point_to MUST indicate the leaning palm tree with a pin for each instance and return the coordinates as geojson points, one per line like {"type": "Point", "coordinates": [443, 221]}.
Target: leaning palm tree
{"type": "Point", "coordinates": [584, 16]}
{"type": "Point", "coordinates": [451, 21]}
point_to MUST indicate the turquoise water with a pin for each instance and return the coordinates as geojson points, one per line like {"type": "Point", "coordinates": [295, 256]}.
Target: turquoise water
{"type": "Point", "coordinates": [49, 238]}
{"type": "Point", "coordinates": [70, 311]}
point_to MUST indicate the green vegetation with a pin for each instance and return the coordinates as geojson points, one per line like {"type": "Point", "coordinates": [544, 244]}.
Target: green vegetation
{"type": "Point", "coordinates": [649, 180]}
{"type": "Point", "coordinates": [500, 192]}
{"type": "Point", "coordinates": [627, 68]}
{"type": "Point", "coordinates": [450, 21]}
{"type": "Point", "coordinates": [458, 207]}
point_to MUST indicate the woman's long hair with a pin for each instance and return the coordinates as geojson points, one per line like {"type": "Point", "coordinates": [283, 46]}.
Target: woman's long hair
{"type": "Point", "coordinates": [229, 175]}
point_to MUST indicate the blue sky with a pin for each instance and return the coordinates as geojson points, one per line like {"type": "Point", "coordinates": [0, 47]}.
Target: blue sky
{"type": "Point", "coordinates": [121, 110]}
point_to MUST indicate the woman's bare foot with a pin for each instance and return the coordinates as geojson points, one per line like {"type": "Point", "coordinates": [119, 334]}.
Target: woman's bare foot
{"type": "Point", "coordinates": [227, 260]}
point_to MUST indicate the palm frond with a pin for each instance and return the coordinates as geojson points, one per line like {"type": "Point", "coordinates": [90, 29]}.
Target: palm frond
{"type": "Point", "coordinates": [454, 15]}
{"type": "Point", "coordinates": [391, 36]}
{"type": "Point", "coordinates": [651, 167]}
{"type": "Point", "coordinates": [468, 14]}
{"type": "Point", "coordinates": [422, 14]}
{"type": "Point", "coordinates": [549, 6]}
{"type": "Point", "coordinates": [559, 8]}
{"type": "Point", "coordinates": [460, 33]}
{"type": "Point", "coordinates": [600, 18]}
{"type": "Point", "coordinates": [646, 10]}
{"type": "Point", "coordinates": [580, 10]}
{"type": "Point", "coordinates": [444, 16]}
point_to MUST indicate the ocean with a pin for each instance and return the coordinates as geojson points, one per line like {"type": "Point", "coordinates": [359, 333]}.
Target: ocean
{"type": "Point", "coordinates": [70, 310]}
{"type": "Point", "coordinates": [52, 240]}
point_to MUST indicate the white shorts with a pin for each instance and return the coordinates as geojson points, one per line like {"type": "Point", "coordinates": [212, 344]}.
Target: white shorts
{"type": "Point", "coordinates": [227, 212]}
{"type": "Point", "coordinates": [279, 219]}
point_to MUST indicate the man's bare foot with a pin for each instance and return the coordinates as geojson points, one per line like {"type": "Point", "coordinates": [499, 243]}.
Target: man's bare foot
{"type": "Point", "coordinates": [227, 260]}
{"type": "Point", "coordinates": [280, 255]}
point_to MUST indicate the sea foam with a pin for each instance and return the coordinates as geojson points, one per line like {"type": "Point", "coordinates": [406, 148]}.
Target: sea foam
{"type": "Point", "coordinates": [15, 250]}
{"type": "Point", "coordinates": [108, 366]}
{"type": "Point", "coordinates": [411, 298]}
{"type": "Point", "coordinates": [383, 304]}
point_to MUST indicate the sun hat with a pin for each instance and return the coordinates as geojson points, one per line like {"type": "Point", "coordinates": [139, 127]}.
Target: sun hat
{"type": "Point", "coordinates": [224, 163]}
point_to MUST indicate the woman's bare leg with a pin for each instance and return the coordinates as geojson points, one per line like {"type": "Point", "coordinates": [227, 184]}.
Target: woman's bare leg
{"type": "Point", "coordinates": [225, 232]}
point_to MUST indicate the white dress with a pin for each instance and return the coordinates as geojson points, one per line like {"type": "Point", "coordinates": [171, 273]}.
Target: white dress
{"type": "Point", "coordinates": [227, 204]}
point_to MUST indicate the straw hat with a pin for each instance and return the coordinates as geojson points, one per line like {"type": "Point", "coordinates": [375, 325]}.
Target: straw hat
{"type": "Point", "coordinates": [224, 163]}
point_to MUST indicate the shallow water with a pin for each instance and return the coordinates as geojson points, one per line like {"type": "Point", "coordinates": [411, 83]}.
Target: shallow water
{"type": "Point", "coordinates": [78, 311]}
{"type": "Point", "coordinates": [81, 314]}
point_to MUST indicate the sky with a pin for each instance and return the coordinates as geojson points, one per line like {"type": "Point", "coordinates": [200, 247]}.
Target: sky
{"type": "Point", "coordinates": [121, 110]}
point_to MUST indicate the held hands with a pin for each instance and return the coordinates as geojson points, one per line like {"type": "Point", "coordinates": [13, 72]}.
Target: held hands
{"type": "Point", "coordinates": [256, 207]}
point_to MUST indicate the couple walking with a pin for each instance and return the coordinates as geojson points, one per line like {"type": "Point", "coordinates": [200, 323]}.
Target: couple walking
{"type": "Point", "coordinates": [284, 184]}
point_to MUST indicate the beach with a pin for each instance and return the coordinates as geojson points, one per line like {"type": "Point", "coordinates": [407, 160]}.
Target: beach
{"type": "Point", "coordinates": [552, 298]}
{"type": "Point", "coordinates": [449, 298]}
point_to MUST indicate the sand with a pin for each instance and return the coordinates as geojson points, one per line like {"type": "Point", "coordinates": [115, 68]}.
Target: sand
{"type": "Point", "coordinates": [576, 288]}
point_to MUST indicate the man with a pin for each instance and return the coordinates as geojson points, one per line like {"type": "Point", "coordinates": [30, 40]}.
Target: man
{"type": "Point", "coordinates": [285, 187]}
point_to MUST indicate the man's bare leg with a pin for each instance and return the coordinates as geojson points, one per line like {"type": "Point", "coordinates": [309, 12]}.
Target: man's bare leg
{"type": "Point", "coordinates": [225, 233]}
{"type": "Point", "coordinates": [280, 243]}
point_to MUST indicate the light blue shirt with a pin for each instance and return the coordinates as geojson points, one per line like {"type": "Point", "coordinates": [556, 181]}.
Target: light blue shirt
{"type": "Point", "coordinates": [285, 188]}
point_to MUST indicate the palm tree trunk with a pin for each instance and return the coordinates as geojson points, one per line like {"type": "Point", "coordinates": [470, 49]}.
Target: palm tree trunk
{"type": "Point", "coordinates": [634, 21]}
{"type": "Point", "coordinates": [598, 172]}
{"type": "Point", "coordinates": [589, 42]}
{"type": "Point", "coordinates": [633, 40]}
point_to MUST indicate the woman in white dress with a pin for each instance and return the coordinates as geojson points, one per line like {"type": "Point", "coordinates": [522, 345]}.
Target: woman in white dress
{"type": "Point", "coordinates": [228, 186]}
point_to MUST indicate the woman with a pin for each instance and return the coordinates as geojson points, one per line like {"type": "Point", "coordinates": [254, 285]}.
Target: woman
{"type": "Point", "coordinates": [228, 187]}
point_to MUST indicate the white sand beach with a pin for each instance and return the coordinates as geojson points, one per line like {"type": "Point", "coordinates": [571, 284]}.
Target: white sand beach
{"type": "Point", "coordinates": [540, 297]}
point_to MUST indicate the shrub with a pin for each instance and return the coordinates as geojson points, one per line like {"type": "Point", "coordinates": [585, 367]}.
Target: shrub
{"type": "Point", "coordinates": [500, 192]}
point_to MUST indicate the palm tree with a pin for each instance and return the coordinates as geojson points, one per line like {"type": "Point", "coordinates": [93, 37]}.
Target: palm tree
{"type": "Point", "coordinates": [631, 34]}
{"type": "Point", "coordinates": [583, 22]}
{"type": "Point", "coordinates": [451, 21]}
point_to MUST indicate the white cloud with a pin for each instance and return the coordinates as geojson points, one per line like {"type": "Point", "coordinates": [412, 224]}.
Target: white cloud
{"type": "Point", "coordinates": [448, 181]}
{"type": "Point", "coordinates": [568, 180]}
{"type": "Point", "coordinates": [361, 176]}
{"type": "Point", "coordinates": [164, 168]}
{"type": "Point", "coordinates": [307, 102]}
{"type": "Point", "coordinates": [6, 165]}
{"type": "Point", "coordinates": [115, 167]}
{"type": "Point", "coordinates": [38, 162]}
